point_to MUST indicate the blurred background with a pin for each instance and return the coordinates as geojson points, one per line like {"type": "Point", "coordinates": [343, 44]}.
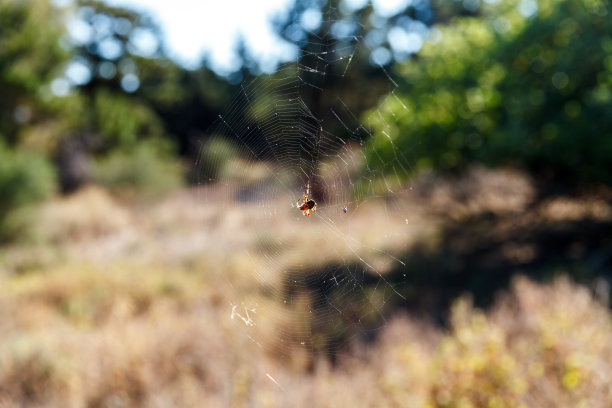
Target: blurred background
{"type": "Point", "coordinates": [472, 149]}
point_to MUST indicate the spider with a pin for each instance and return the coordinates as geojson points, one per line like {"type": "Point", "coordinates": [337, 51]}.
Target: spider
{"type": "Point", "coordinates": [307, 205]}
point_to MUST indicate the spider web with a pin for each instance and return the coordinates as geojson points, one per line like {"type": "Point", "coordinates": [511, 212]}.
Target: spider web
{"type": "Point", "coordinates": [304, 286]}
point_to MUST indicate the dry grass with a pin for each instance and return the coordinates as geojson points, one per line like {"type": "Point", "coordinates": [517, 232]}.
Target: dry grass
{"type": "Point", "coordinates": [543, 345]}
{"type": "Point", "coordinates": [119, 305]}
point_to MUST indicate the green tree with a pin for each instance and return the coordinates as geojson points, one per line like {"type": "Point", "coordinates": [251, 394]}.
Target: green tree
{"type": "Point", "coordinates": [30, 56]}
{"type": "Point", "coordinates": [131, 93]}
{"type": "Point", "coordinates": [526, 83]}
{"type": "Point", "coordinates": [125, 54]}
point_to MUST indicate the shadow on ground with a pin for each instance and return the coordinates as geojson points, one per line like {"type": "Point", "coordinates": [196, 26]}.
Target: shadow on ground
{"type": "Point", "coordinates": [477, 253]}
{"type": "Point", "coordinates": [481, 254]}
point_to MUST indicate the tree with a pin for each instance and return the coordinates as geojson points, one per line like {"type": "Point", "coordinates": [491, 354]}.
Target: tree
{"type": "Point", "coordinates": [30, 55]}
{"type": "Point", "coordinates": [128, 92]}
{"type": "Point", "coordinates": [527, 84]}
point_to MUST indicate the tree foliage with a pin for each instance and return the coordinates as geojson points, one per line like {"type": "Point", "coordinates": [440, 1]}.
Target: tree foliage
{"type": "Point", "coordinates": [133, 80]}
{"type": "Point", "coordinates": [89, 87]}
{"type": "Point", "coordinates": [523, 85]}
{"type": "Point", "coordinates": [30, 56]}
{"type": "Point", "coordinates": [25, 178]}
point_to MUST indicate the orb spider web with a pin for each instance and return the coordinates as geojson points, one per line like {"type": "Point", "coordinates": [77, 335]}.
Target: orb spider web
{"type": "Point", "coordinates": [312, 285]}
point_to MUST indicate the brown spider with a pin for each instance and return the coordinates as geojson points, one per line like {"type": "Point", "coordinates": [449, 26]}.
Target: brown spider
{"type": "Point", "coordinates": [307, 205]}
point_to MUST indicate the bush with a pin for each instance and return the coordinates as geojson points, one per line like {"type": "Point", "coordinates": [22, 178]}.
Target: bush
{"type": "Point", "coordinates": [148, 170]}
{"type": "Point", "coordinates": [123, 122]}
{"type": "Point", "coordinates": [541, 346]}
{"type": "Point", "coordinates": [25, 178]}
{"type": "Point", "coordinates": [214, 156]}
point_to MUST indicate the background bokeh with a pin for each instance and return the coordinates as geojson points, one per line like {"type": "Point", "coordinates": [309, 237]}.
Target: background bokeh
{"type": "Point", "coordinates": [117, 238]}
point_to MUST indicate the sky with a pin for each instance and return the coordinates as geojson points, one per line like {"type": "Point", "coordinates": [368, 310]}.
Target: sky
{"type": "Point", "coordinates": [196, 28]}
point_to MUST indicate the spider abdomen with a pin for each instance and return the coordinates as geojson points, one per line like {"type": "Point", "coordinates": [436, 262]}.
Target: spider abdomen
{"type": "Point", "coordinates": [308, 205]}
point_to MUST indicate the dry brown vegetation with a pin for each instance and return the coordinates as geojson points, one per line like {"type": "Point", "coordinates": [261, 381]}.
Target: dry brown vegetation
{"type": "Point", "coordinates": [116, 304]}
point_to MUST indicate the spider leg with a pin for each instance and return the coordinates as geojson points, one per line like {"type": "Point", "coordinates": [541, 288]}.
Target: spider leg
{"type": "Point", "coordinates": [307, 213]}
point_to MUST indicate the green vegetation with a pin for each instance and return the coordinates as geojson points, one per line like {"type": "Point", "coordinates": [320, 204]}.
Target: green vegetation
{"type": "Point", "coordinates": [146, 170]}
{"type": "Point", "coordinates": [526, 85]}
{"type": "Point", "coordinates": [30, 57]}
{"type": "Point", "coordinates": [25, 178]}
{"type": "Point", "coordinates": [505, 89]}
{"type": "Point", "coordinates": [120, 122]}
{"type": "Point", "coordinates": [216, 154]}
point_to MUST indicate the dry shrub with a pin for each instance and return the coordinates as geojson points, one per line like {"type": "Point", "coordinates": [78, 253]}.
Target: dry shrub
{"type": "Point", "coordinates": [85, 295]}
{"type": "Point", "coordinates": [29, 373]}
{"type": "Point", "coordinates": [165, 360]}
{"type": "Point", "coordinates": [540, 345]}
{"type": "Point", "coordinates": [543, 345]}
{"type": "Point", "coordinates": [150, 324]}
{"type": "Point", "coordinates": [88, 213]}
{"type": "Point", "coordinates": [477, 190]}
